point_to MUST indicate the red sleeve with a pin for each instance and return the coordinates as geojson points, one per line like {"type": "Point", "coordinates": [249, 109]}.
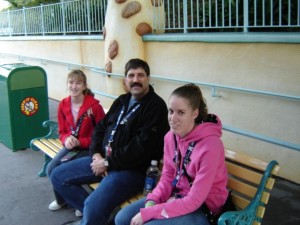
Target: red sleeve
{"type": "Point", "coordinates": [63, 128]}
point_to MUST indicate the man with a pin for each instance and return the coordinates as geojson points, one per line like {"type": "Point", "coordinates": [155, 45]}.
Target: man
{"type": "Point", "coordinates": [123, 145]}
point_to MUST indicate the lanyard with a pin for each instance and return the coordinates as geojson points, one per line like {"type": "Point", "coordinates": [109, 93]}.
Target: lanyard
{"type": "Point", "coordinates": [79, 122]}
{"type": "Point", "coordinates": [186, 160]}
{"type": "Point", "coordinates": [124, 120]}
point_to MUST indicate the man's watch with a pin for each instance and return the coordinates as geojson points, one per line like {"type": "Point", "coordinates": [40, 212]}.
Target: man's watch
{"type": "Point", "coordinates": [106, 163]}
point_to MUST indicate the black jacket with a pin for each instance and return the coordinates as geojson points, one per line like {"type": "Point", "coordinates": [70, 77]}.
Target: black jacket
{"type": "Point", "coordinates": [137, 142]}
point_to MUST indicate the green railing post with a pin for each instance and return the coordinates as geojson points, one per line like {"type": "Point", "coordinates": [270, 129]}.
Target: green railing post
{"type": "Point", "coordinates": [9, 23]}
{"type": "Point", "coordinates": [185, 17]}
{"type": "Point", "coordinates": [246, 15]}
{"type": "Point", "coordinates": [24, 21]}
{"type": "Point", "coordinates": [42, 18]}
{"type": "Point", "coordinates": [88, 9]}
{"type": "Point", "coordinates": [63, 17]}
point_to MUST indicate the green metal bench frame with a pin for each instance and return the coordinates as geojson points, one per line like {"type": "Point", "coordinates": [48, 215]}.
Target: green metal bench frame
{"type": "Point", "coordinates": [53, 134]}
{"type": "Point", "coordinates": [247, 216]}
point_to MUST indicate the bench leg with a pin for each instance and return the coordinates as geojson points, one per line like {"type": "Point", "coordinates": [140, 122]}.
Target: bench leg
{"type": "Point", "coordinates": [43, 173]}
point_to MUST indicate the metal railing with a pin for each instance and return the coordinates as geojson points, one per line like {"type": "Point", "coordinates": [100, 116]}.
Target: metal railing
{"type": "Point", "coordinates": [214, 87]}
{"type": "Point", "coordinates": [230, 15]}
{"type": "Point", "coordinates": [71, 17]}
{"type": "Point", "coordinates": [88, 16]}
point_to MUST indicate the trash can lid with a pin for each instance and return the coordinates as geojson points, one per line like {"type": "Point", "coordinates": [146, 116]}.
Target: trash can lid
{"type": "Point", "coordinates": [13, 66]}
{"type": "Point", "coordinates": [5, 69]}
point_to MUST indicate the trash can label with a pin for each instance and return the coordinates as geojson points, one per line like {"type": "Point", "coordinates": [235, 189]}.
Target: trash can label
{"type": "Point", "coordinates": [29, 106]}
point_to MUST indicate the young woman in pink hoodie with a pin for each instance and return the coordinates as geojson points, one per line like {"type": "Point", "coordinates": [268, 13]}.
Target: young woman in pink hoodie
{"type": "Point", "coordinates": [194, 176]}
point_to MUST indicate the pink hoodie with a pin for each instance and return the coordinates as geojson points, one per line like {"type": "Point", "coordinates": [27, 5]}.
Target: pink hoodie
{"type": "Point", "coordinates": [207, 169]}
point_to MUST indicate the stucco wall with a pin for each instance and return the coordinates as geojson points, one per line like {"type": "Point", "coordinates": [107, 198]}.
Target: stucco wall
{"type": "Point", "coordinates": [264, 67]}
{"type": "Point", "coordinates": [259, 66]}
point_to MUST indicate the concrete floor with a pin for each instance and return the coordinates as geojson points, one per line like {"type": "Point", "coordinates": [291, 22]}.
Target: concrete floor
{"type": "Point", "coordinates": [25, 196]}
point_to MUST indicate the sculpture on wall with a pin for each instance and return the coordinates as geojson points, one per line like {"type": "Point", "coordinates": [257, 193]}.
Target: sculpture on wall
{"type": "Point", "coordinates": [126, 22]}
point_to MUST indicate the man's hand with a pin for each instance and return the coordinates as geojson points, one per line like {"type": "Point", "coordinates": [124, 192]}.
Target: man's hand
{"type": "Point", "coordinates": [97, 166]}
{"type": "Point", "coordinates": [97, 156]}
{"type": "Point", "coordinates": [137, 220]}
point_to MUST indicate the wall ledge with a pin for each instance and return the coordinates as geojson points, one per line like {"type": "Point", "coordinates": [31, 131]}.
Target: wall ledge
{"type": "Point", "coordinates": [226, 37]}
{"type": "Point", "coordinates": [189, 37]}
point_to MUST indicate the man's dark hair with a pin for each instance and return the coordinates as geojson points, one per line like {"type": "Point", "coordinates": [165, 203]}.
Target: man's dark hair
{"type": "Point", "coordinates": [137, 63]}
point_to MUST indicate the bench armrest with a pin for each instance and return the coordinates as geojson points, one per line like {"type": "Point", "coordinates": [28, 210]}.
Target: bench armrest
{"type": "Point", "coordinates": [235, 217]}
{"type": "Point", "coordinates": [53, 133]}
{"type": "Point", "coordinates": [248, 215]}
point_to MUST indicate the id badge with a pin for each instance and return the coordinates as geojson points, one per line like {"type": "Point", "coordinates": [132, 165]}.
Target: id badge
{"type": "Point", "coordinates": [108, 150]}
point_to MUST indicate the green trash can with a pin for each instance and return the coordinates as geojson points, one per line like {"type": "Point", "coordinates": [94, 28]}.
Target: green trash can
{"type": "Point", "coordinates": [24, 104]}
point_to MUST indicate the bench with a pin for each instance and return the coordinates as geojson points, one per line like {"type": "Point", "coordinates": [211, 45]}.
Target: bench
{"type": "Point", "coordinates": [49, 144]}
{"type": "Point", "coordinates": [250, 179]}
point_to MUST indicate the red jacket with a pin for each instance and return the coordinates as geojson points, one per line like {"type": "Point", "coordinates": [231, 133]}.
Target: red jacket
{"type": "Point", "coordinates": [66, 122]}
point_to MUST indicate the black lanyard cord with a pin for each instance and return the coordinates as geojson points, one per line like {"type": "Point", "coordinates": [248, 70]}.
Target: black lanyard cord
{"type": "Point", "coordinates": [75, 132]}
{"type": "Point", "coordinates": [186, 160]}
{"type": "Point", "coordinates": [123, 121]}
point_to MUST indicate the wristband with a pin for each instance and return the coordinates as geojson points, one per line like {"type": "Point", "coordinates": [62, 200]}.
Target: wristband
{"type": "Point", "coordinates": [150, 203]}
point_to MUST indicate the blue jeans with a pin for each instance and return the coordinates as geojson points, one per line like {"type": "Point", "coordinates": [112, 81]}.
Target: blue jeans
{"type": "Point", "coordinates": [61, 153]}
{"type": "Point", "coordinates": [56, 162]}
{"type": "Point", "coordinates": [126, 214]}
{"type": "Point", "coordinates": [113, 190]}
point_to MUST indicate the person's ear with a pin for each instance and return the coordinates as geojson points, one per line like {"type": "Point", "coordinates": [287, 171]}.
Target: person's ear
{"type": "Point", "coordinates": [196, 113]}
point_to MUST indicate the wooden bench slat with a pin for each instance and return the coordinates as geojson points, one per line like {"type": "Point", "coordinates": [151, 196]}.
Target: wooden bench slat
{"type": "Point", "coordinates": [244, 173]}
{"type": "Point", "coordinates": [131, 200]}
{"type": "Point", "coordinates": [49, 144]}
{"type": "Point", "coordinates": [275, 170]}
{"type": "Point", "coordinates": [270, 183]}
{"type": "Point", "coordinates": [246, 160]}
{"type": "Point", "coordinates": [240, 187]}
{"type": "Point", "coordinates": [123, 205]}
{"type": "Point", "coordinates": [44, 148]}
{"type": "Point", "coordinates": [261, 212]}
{"type": "Point", "coordinates": [265, 197]}
{"type": "Point", "coordinates": [239, 201]}
{"type": "Point", "coordinates": [246, 190]}
{"type": "Point", "coordinates": [57, 142]}
{"type": "Point", "coordinates": [94, 185]}
{"type": "Point", "coordinates": [127, 202]}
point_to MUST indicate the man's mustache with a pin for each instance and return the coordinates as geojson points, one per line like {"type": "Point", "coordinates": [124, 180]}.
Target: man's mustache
{"type": "Point", "coordinates": [136, 84]}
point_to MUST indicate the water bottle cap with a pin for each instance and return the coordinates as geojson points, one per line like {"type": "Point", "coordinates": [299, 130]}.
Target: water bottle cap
{"type": "Point", "coordinates": [154, 162]}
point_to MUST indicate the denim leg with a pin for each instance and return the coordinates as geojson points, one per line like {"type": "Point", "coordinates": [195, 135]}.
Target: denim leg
{"type": "Point", "coordinates": [125, 215]}
{"type": "Point", "coordinates": [56, 160]}
{"type": "Point", "coordinates": [53, 164]}
{"type": "Point", "coordinates": [113, 190]}
{"type": "Point", "coordinates": [68, 178]}
{"type": "Point", "coordinates": [194, 218]}
{"type": "Point", "coordinates": [61, 153]}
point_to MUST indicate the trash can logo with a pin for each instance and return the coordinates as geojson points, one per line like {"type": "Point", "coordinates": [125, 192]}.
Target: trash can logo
{"type": "Point", "coordinates": [29, 106]}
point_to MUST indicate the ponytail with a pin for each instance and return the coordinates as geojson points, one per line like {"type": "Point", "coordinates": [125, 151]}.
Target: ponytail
{"type": "Point", "coordinates": [88, 91]}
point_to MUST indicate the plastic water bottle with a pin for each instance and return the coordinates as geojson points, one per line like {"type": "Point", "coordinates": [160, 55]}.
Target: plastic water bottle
{"type": "Point", "coordinates": [151, 177]}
